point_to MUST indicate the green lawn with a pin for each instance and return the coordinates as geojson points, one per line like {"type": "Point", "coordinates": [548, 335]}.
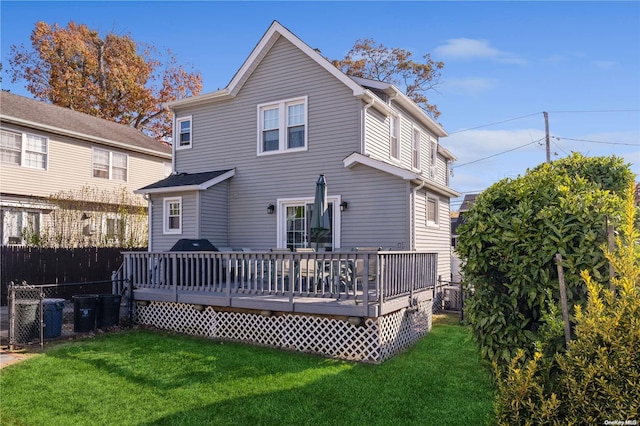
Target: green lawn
{"type": "Point", "coordinates": [143, 377]}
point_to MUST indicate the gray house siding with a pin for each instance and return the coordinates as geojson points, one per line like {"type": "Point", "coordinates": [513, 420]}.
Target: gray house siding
{"type": "Point", "coordinates": [214, 214]}
{"type": "Point", "coordinates": [378, 210]}
{"type": "Point", "coordinates": [434, 238]}
{"type": "Point", "coordinates": [378, 147]}
{"type": "Point", "coordinates": [162, 241]}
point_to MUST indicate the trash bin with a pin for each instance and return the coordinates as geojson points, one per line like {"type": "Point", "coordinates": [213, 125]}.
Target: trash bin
{"type": "Point", "coordinates": [52, 317]}
{"type": "Point", "coordinates": [84, 312]}
{"type": "Point", "coordinates": [27, 321]}
{"type": "Point", "coordinates": [108, 310]}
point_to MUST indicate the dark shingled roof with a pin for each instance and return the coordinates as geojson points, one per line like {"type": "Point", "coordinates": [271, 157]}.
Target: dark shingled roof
{"type": "Point", "coordinates": [61, 120]}
{"type": "Point", "coordinates": [185, 179]}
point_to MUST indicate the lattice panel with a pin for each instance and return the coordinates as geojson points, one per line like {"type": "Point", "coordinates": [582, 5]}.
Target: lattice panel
{"type": "Point", "coordinates": [374, 341]}
{"type": "Point", "coordinates": [402, 329]}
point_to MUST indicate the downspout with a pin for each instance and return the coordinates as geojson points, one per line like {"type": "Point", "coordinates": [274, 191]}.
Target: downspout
{"type": "Point", "coordinates": [149, 221]}
{"type": "Point", "coordinates": [415, 213]}
{"type": "Point", "coordinates": [363, 143]}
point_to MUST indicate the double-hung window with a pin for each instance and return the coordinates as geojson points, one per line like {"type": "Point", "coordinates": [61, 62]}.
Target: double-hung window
{"type": "Point", "coordinates": [183, 133]}
{"type": "Point", "coordinates": [394, 137]}
{"type": "Point", "coordinates": [434, 158]}
{"type": "Point", "coordinates": [110, 165]}
{"type": "Point", "coordinates": [415, 153]}
{"type": "Point", "coordinates": [172, 215]}
{"type": "Point", "coordinates": [23, 149]}
{"type": "Point", "coordinates": [282, 126]}
{"type": "Point", "coordinates": [432, 211]}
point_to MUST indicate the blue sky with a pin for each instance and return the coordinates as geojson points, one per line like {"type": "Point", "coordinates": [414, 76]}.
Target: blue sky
{"type": "Point", "coordinates": [505, 63]}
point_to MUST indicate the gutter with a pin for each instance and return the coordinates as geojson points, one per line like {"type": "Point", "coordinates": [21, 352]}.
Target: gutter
{"type": "Point", "coordinates": [415, 219]}
{"type": "Point", "coordinates": [363, 145]}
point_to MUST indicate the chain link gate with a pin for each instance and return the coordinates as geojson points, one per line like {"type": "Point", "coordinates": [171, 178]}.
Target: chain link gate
{"type": "Point", "coordinates": [448, 296]}
{"type": "Point", "coordinates": [48, 311]}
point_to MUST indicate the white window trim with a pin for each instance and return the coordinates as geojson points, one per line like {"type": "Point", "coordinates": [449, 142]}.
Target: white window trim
{"type": "Point", "coordinates": [416, 130]}
{"type": "Point", "coordinates": [117, 217]}
{"type": "Point", "coordinates": [433, 169]}
{"type": "Point", "coordinates": [397, 135]}
{"type": "Point", "coordinates": [165, 216]}
{"type": "Point", "coordinates": [281, 227]}
{"type": "Point", "coordinates": [428, 222]}
{"type": "Point", "coordinates": [176, 131]}
{"type": "Point", "coordinates": [94, 149]}
{"type": "Point", "coordinates": [22, 213]}
{"type": "Point", "coordinates": [23, 149]}
{"type": "Point", "coordinates": [282, 125]}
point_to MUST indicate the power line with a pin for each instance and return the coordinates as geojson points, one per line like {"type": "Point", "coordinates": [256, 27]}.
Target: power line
{"type": "Point", "coordinates": [499, 153]}
{"type": "Point", "coordinates": [555, 112]}
{"type": "Point", "coordinates": [601, 142]}
{"type": "Point", "coordinates": [497, 122]}
{"type": "Point", "coordinates": [597, 110]}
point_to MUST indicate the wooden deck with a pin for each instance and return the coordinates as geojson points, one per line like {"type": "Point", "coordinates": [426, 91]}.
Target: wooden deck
{"type": "Point", "coordinates": [350, 283]}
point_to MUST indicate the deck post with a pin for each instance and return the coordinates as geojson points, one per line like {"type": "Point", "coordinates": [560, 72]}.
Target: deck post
{"type": "Point", "coordinates": [227, 282]}
{"type": "Point", "coordinates": [291, 281]}
{"type": "Point", "coordinates": [365, 285]}
{"type": "Point", "coordinates": [174, 261]}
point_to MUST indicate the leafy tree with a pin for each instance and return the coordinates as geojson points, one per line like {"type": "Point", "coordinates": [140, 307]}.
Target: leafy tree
{"type": "Point", "coordinates": [367, 59]}
{"type": "Point", "coordinates": [110, 77]}
{"type": "Point", "coordinates": [512, 234]}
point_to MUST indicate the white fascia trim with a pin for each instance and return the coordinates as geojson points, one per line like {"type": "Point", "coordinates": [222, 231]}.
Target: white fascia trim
{"type": "Point", "coordinates": [445, 152]}
{"type": "Point", "coordinates": [414, 108]}
{"type": "Point", "coordinates": [35, 205]}
{"type": "Point", "coordinates": [357, 158]}
{"type": "Point", "coordinates": [199, 99]}
{"type": "Point", "coordinates": [82, 136]}
{"type": "Point", "coordinates": [185, 188]}
{"type": "Point", "coordinates": [439, 188]}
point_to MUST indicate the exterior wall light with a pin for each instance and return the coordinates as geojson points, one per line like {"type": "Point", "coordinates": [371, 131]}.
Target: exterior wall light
{"type": "Point", "coordinates": [343, 206]}
{"type": "Point", "coordinates": [271, 208]}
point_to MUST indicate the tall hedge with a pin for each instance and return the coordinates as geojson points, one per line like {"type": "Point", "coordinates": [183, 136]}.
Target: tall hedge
{"type": "Point", "coordinates": [512, 233]}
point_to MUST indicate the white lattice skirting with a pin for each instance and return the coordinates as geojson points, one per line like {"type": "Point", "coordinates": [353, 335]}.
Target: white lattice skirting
{"type": "Point", "coordinates": [376, 340]}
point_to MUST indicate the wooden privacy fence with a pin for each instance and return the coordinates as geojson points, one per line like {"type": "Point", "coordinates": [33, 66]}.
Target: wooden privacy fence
{"type": "Point", "coordinates": [37, 265]}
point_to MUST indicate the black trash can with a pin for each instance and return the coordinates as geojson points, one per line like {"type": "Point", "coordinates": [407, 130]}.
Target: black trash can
{"type": "Point", "coordinates": [27, 320]}
{"type": "Point", "coordinates": [52, 317]}
{"type": "Point", "coordinates": [84, 312]}
{"type": "Point", "coordinates": [108, 310]}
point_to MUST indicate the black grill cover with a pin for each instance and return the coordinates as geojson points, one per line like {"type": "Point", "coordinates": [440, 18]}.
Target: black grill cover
{"type": "Point", "coordinates": [186, 244]}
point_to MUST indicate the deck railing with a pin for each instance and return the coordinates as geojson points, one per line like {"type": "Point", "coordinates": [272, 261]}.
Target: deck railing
{"type": "Point", "coordinates": [364, 276]}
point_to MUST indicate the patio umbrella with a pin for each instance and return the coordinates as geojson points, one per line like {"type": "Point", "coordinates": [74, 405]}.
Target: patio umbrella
{"type": "Point", "coordinates": [320, 214]}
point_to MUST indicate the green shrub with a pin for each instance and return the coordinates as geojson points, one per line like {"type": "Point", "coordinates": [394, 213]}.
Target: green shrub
{"type": "Point", "coordinates": [598, 378]}
{"type": "Point", "coordinates": [510, 238]}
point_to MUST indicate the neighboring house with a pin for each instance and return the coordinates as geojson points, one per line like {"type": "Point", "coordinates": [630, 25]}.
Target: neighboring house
{"type": "Point", "coordinates": [67, 178]}
{"type": "Point", "coordinates": [458, 217]}
{"type": "Point", "coordinates": [246, 160]}
{"type": "Point", "coordinates": [287, 116]}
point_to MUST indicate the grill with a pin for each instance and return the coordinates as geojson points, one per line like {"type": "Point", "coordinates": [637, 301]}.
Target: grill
{"type": "Point", "coordinates": [186, 244]}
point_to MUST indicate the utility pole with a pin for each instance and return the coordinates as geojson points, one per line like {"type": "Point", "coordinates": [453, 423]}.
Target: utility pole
{"type": "Point", "coordinates": [546, 130]}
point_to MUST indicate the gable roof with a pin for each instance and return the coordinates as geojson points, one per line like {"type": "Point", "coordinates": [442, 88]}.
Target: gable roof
{"type": "Point", "coordinates": [187, 182]}
{"type": "Point", "coordinates": [358, 86]}
{"type": "Point", "coordinates": [42, 116]}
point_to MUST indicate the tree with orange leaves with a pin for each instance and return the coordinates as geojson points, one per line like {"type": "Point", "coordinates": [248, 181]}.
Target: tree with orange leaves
{"type": "Point", "coordinates": [110, 77]}
{"type": "Point", "coordinates": [367, 59]}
